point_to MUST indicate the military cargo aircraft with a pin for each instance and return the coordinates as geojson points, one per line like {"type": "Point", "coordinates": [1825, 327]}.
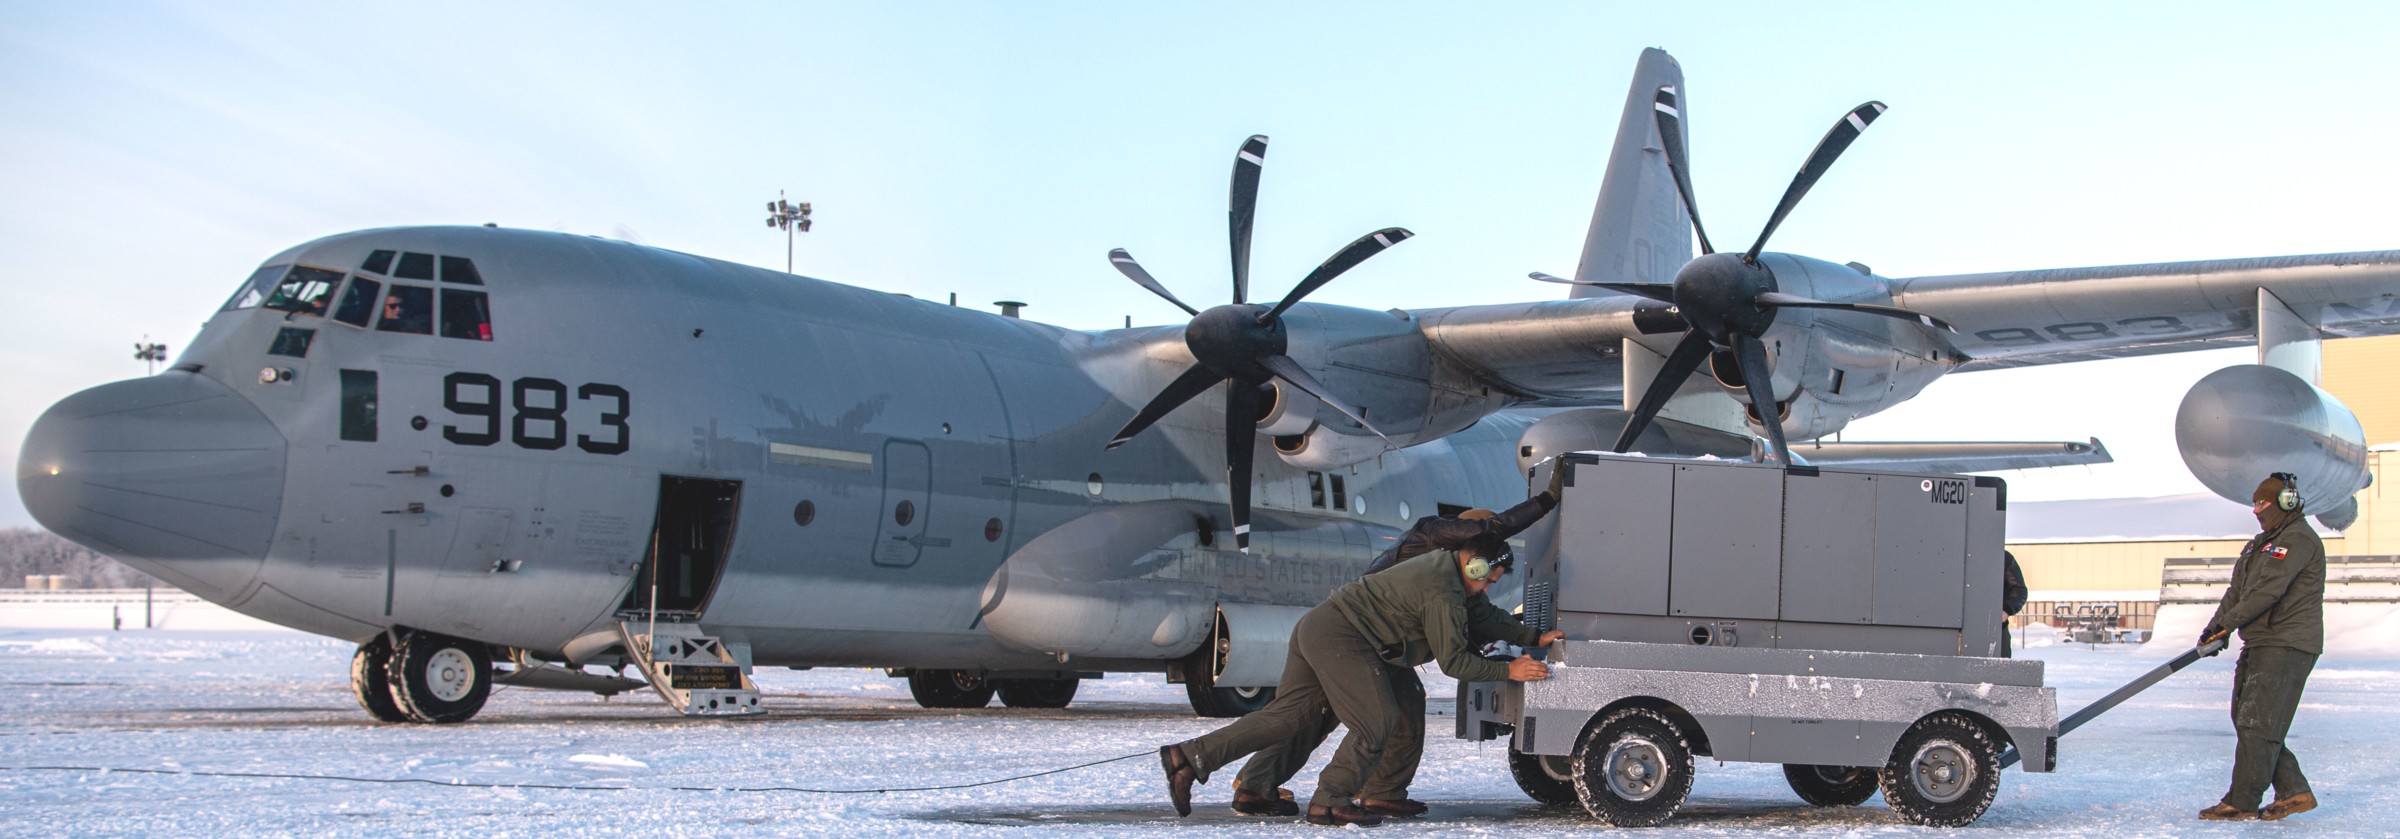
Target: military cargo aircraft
{"type": "Point", "coordinates": [505, 456]}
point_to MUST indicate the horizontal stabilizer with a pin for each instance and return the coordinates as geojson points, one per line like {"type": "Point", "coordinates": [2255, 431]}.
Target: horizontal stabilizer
{"type": "Point", "coordinates": [1953, 457]}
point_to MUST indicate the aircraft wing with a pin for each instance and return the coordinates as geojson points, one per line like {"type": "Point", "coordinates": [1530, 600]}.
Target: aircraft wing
{"type": "Point", "coordinates": [2024, 318]}
{"type": "Point", "coordinates": [1556, 353]}
{"type": "Point", "coordinates": [1953, 457]}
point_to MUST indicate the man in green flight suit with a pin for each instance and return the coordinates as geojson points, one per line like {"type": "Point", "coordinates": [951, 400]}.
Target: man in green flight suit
{"type": "Point", "coordinates": [1425, 609]}
{"type": "Point", "coordinates": [2277, 602]}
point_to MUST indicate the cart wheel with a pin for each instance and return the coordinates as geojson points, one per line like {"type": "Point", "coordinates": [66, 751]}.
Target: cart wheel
{"type": "Point", "coordinates": [1633, 769]}
{"type": "Point", "coordinates": [1944, 772]}
{"type": "Point", "coordinates": [1831, 786]}
{"type": "Point", "coordinates": [1549, 779]}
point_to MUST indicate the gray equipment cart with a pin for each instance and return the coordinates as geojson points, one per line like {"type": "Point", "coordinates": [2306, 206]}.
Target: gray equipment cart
{"type": "Point", "coordinates": [1843, 623]}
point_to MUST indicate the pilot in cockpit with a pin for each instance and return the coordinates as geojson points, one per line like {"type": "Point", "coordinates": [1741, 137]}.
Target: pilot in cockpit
{"type": "Point", "coordinates": [410, 313]}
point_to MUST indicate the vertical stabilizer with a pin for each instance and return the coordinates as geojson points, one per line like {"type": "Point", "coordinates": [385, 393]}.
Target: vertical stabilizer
{"type": "Point", "coordinates": [1638, 232]}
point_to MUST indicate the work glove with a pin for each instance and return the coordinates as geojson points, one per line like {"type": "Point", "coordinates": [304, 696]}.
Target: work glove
{"type": "Point", "coordinates": [2210, 634]}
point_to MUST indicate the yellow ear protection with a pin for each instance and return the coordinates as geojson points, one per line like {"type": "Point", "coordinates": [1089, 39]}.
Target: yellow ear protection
{"type": "Point", "coordinates": [2289, 498]}
{"type": "Point", "coordinates": [1483, 571]}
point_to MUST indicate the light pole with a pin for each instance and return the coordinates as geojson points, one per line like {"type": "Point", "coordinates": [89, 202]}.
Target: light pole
{"type": "Point", "coordinates": [149, 353]}
{"type": "Point", "coordinates": [792, 218]}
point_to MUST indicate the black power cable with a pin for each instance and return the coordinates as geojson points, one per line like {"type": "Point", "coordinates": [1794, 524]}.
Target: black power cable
{"type": "Point", "coordinates": [294, 776]}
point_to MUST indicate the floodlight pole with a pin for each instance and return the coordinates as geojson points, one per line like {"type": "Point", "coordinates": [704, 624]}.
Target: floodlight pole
{"type": "Point", "coordinates": [792, 218]}
{"type": "Point", "coordinates": [149, 354]}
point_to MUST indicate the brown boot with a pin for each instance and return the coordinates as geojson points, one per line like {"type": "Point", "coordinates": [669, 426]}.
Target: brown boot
{"type": "Point", "coordinates": [2223, 812]}
{"type": "Point", "coordinates": [2290, 805]}
{"type": "Point", "coordinates": [1347, 814]}
{"type": "Point", "coordinates": [1180, 776]}
{"type": "Point", "coordinates": [1249, 803]}
{"type": "Point", "coordinates": [1402, 807]}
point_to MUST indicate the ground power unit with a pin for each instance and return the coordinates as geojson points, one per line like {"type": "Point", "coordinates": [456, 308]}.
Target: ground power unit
{"type": "Point", "coordinates": [1843, 623]}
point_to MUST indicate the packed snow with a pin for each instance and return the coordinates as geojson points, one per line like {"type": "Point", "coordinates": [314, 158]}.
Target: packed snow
{"type": "Point", "coordinates": [278, 702]}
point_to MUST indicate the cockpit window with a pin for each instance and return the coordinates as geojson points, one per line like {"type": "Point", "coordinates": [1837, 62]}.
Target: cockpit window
{"type": "Point", "coordinates": [459, 269]}
{"type": "Point", "coordinates": [254, 290]}
{"type": "Point", "coordinates": [409, 309]}
{"type": "Point", "coordinates": [465, 314]}
{"type": "Point", "coordinates": [415, 266]}
{"type": "Point", "coordinates": [358, 303]}
{"type": "Point", "coordinates": [379, 262]}
{"type": "Point", "coordinates": [305, 291]}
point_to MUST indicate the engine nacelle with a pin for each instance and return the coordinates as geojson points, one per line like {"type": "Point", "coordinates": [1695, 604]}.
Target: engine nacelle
{"type": "Point", "coordinates": [2242, 423]}
{"type": "Point", "coordinates": [1323, 447]}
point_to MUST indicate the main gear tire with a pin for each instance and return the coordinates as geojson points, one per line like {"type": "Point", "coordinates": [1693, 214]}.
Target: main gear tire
{"type": "Point", "coordinates": [1633, 768]}
{"type": "Point", "coordinates": [1037, 693]}
{"type": "Point", "coordinates": [1549, 779]}
{"type": "Point", "coordinates": [1944, 772]}
{"type": "Point", "coordinates": [1832, 786]}
{"type": "Point", "coordinates": [950, 689]}
{"type": "Point", "coordinates": [1208, 700]}
{"type": "Point", "coordinates": [440, 679]}
{"type": "Point", "coordinates": [371, 681]}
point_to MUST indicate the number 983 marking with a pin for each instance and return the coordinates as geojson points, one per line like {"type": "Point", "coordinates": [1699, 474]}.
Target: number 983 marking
{"type": "Point", "coordinates": [540, 417]}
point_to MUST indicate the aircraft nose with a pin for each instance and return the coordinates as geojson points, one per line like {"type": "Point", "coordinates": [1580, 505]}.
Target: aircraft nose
{"type": "Point", "coordinates": [174, 474]}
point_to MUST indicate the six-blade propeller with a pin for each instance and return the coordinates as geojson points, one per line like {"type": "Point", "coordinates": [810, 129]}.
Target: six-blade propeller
{"type": "Point", "coordinates": [1242, 343]}
{"type": "Point", "coordinates": [1729, 300]}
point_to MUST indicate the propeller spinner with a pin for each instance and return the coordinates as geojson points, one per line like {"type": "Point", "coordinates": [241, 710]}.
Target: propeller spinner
{"type": "Point", "coordinates": [1729, 299]}
{"type": "Point", "coordinates": [1242, 344]}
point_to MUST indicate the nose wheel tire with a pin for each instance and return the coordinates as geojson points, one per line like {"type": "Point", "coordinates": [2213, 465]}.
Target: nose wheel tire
{"type": "Point", "coordinates": [1633, 769]}
{"type": "Point", "coordinates": [1549, 779]}
{"type": "Point", "coordinates": [949, 689]}
{"type": "Point", "coordinates": [371, 683]}
{"type": "Point", "coordinates": [1943, 773]}
{"type": "Point", "coordinates": [1037, 693]}
{"type": "Point", "coordinates": [1831, 786]}
{"type": "Point", "coordinates": [440, 679]}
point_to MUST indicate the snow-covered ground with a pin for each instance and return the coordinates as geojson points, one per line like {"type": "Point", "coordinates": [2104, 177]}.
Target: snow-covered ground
{"type": "Point", "coordinates": [273, 701]}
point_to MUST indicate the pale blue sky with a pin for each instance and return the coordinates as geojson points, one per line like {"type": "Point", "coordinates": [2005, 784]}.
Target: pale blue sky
{"type": "Point", "coordinates": [152, 154]}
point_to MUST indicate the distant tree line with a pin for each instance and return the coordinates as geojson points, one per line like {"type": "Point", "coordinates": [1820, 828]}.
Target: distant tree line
{"type": "Point", "coordinates": [26, 550]}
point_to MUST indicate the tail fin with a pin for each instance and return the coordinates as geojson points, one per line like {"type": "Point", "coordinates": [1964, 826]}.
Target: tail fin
{"type": "Point", "coordinates": [1639, 234]}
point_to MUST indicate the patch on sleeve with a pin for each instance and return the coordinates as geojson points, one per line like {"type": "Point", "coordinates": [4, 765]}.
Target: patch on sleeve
{"type": "Point", "coordinates": [2277, 551]}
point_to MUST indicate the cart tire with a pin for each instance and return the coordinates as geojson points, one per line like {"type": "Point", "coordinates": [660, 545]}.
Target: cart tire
{"type": "Point", "coordinates": [1944, 772]}
{"type": "Point", "coordinates": [950, 689]}
{"type": "Point", "coordinates": [1633, 768]}
{"type": "Point", "coordinates": [1549, 779]}
{"type": "Point", "coordinates": [1831, 786]}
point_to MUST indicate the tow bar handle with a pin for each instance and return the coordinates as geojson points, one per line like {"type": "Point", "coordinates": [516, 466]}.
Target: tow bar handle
{"type": "Point", "coordinates": [2118, 696]}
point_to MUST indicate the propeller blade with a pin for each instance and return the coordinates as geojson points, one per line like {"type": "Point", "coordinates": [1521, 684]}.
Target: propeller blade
{"type": "Point", "coordinates": [1828, 150]}
{"type": "Point", "coordinates": [1777, 298]}
{"type": "Point", "coordinates": [1670, 134]}
{"type": "Point", "coordinates": [1686, 358]}
{"type": "Point", "coordinates": [1752, 353]}
{"type": "Point", "coordinates": [1660, 292]}
{"type": "Point", "coordinates": [1342, 260]}
{"type": "Point", "coordinates": [1243, 209]}
{"type": "Point", "coordinates": [1186, 386]}
{"type": "Point", "coordinates": [1290, 371]}
{"type": "Point", "coordinates": [1133, 271]}
{"type": "Point", "coordinates": [1241, 439]}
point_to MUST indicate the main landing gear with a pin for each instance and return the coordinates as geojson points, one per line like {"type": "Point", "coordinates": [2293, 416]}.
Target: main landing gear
{"type": "Point", "coordinates": [424, 677]}
{"type": "Point", "coordinates": [974, 689]}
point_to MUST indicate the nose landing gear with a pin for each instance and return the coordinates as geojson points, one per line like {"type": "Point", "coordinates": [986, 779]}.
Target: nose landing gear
{"type": "Point", "coordinates": [425, 677]}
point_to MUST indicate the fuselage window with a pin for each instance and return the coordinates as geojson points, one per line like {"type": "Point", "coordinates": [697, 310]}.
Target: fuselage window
{"type": "Point", "coordinates": [292, 342]}
{"type": "Point", "coordinates": [358, 405]}
{"type": "Point", "coordinates": [415, 266]}
{"type": "Point", "coordinates": [379, 262]}
{"type": "Point", "coordinates": [305, 291]}
{"type": "Point", "coordinates": [409, 309]}
{"type": "Point", "coordinates": [254, 290]}
{"type": "Point", "coordinates": [459, 269]}
{"type": "Point", "coordinates": [358, 303]}
{"type": "Point", "coordinates": [466, 314]}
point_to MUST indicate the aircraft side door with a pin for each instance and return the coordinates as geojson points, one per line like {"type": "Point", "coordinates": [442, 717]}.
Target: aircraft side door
{"type": "Point", "coordinates": [907, 503]}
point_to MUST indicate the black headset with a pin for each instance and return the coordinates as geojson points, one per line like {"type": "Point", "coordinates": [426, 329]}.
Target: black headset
{"type": "Point", "coordinates": [2289, 498]}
